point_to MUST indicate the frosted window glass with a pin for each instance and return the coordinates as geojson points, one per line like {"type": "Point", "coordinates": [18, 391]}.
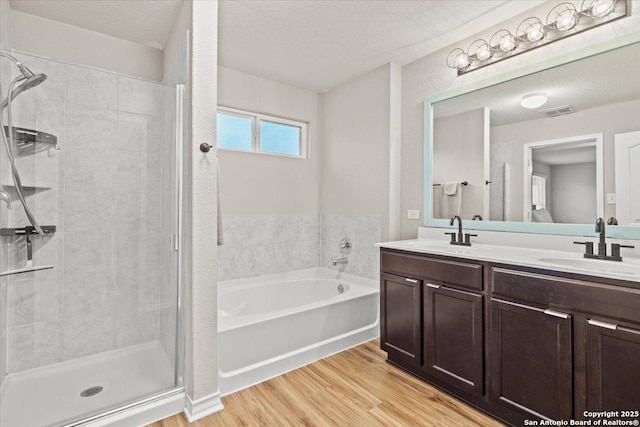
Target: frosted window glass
{"type": "Point", "coordinates": [279, 138]}
{"type": "Point", "coordinates": [234, 132]}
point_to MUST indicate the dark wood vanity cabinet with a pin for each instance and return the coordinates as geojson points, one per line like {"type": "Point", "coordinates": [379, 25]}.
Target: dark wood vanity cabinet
{"type": "Point", "coordinates": [400, 318]}
{"type": "Point", "coordinates": [450, 324]}
{"type": "Point", "coordinates": [531, 360]}
{"type": "Point", "coordinates": [519, 343]}
{"type": "Point", "coordinates": [453, 337]}
{"type": "Point", "coordinates": [613, 366]}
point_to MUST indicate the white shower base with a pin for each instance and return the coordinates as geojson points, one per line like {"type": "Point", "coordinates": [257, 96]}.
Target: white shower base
{"type": "Point", "coordinates": [50, 395]}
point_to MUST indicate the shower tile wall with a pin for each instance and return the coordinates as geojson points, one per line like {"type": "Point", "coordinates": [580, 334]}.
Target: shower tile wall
{"type": "Point", "coordinates": [255, 245]}
{"type": "Point", "coordinates": [105, 198]}
{"type": "Point", "coordinates": [3, 328]}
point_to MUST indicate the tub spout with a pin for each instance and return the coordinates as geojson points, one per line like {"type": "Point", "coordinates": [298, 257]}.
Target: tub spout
{"type": "Point", "coordinates": [342, 261]}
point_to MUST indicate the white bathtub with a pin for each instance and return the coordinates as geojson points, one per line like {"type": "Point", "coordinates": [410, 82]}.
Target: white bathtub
{"type": "Point", "coordinates": [272, 324]}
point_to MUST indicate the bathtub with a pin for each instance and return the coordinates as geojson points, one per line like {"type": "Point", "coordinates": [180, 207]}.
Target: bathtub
{"type": "Point", "coordinates": [272, 324]}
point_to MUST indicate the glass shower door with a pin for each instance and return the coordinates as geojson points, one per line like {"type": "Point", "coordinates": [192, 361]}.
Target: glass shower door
{"type": "Point", "coordinates": [99, 329]}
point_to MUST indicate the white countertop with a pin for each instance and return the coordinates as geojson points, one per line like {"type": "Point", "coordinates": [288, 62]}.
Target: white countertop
{"type": "Point", "coordinates": [570, 262]}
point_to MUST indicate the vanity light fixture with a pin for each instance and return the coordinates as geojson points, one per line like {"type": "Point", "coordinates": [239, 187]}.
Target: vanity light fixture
{"type": "Point", "coordinates": [533, 100]}
{"type": "Point", "coordinates": [563, 20]}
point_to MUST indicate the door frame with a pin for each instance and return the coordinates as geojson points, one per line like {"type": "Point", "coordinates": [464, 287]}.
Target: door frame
{"type": "Point", "coordinates": [595, 139]}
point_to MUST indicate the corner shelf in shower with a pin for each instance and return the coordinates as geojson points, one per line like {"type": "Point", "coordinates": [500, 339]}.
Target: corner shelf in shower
{"type": "Point", "coordinates": [35, 187]}
{"type": "Point", "coordinates": [30, 141]}
{"type": "Point", "coordinates": [28, 230]}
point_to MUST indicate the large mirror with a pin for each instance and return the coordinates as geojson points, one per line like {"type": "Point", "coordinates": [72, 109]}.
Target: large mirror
{"type": "Point", "coordinates": [549, 151]}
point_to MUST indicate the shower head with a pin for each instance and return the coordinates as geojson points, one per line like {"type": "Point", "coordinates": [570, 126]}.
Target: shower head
{"type": "Point", "coordinates": [26, 84]}
{"type": "Point", "coordinates": [32, 81]}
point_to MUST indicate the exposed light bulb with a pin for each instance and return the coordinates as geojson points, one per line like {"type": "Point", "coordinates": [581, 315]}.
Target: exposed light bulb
{"type": "Point", "coordinates": [461, 62]}
{"type": "Point", "coordinates": [534, 34]}
{"type": "Point", "coordinates": [602, 8]}
{"type": "Point", "coordinates": [507, 43]}
{"type": "Point", "coordinates": [533, 100]}
{"type": "Point", "coordinates": [483, 53]}
{"type": "Point", "coordinates": [565, 22]}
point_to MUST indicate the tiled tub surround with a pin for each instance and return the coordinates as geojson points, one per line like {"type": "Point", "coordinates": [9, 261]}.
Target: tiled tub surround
{"type": "Point", "coordinates": [256, 245]}
{"type": "Point", "coordinates": [105, 197]}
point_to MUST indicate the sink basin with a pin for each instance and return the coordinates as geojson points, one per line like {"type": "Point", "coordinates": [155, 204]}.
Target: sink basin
{"type": "Point", "coordinates": [612, 267]}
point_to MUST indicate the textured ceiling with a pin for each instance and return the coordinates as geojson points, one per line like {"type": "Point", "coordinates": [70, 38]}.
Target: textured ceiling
{"type": "Point", "coordinates": [319, 44]}
{"type": "Point", "coordinates": [314, 44]}
{"type": "Point", "coordinates": [147, 22]}
{"type": "Point", "coordinates": [602, 79]}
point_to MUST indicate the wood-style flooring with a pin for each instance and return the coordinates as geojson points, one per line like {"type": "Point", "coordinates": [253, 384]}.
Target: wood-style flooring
{"type": "Point", "coordinates": [353, 388]}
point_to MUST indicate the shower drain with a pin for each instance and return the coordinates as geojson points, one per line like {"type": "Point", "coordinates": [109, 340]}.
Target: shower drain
{"type": "Point", "coordinates": [91, 391]}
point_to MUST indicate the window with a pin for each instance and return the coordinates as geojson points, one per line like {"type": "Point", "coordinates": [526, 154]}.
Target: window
{"type": "Point", "coordinates": [259, 133]}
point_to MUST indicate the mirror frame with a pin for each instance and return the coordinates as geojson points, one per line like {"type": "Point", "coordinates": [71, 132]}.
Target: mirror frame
{"type": "Point", "coordinates": [628, 232]}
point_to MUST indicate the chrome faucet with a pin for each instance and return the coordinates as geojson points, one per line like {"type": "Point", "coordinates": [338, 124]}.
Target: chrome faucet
{"type": "Point", "coordinates": [462, 239]}
{"type": "Point", "coordinates": [340, 261]}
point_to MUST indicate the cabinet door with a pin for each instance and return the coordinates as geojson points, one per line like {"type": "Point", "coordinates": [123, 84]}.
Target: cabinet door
{"type": "Point", "coordinates": [400, 318]}
{"type": "Point", "coordinates": [613, 367]}
{"type": "Point", "coordinates": [453, 344]}
{"type": "Point", "coordinates": [531, 360]}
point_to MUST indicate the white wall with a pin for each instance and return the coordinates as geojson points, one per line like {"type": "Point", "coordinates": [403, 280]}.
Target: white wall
{"type": "Point", "coordinates": [201, 358]}
{"type": "Point", "coordinates": [266, 184]}
{"type": "Point", "coordinates": [573, 193]}
{"type": "Point", "coordinates": [458, 154]}
{"type": "Point", "coordinates": [5, 24]}
{"type": "Point", "coordinates": [172, 54]}
{"type": "Point", "coordinates": [430, 76]}
{"type": "Point", "coordinates": [53, 39]}
{"type": "Point", "coordinates": [357, 135]}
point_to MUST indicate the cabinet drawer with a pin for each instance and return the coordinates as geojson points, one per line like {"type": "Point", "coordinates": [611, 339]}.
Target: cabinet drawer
{"type": "Point", "coordinates": [588, 297]}
{"type": "Point", "coordinates": [443, 271]}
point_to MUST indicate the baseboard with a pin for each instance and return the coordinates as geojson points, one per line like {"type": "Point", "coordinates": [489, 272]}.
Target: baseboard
{"type": "Point", "coordinates": [200, 408]}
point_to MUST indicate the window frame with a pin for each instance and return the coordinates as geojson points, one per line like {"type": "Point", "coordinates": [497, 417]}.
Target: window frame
{"type": "Point", "coordinates": [256, 119]}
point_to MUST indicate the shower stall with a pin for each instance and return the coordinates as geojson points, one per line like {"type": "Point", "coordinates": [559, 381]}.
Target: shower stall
{"type": "Point", "coordinates": [90, 185]}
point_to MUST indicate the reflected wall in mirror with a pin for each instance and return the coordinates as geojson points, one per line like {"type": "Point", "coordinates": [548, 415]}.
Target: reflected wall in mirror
{"type": "Point", "coordinates": [484, 138]}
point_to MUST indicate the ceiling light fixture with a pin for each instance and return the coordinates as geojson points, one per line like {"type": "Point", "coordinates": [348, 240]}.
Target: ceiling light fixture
{"type": "Point", "coordinates": [562, 21]}
{"type": "Point", "coordinates": [533, 100]}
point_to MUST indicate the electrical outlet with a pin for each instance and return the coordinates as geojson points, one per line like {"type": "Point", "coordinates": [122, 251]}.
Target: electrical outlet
{"type": "Point", "coordinates": [611, 198]}
{"type": "Point", "coordinates": [413, 214]}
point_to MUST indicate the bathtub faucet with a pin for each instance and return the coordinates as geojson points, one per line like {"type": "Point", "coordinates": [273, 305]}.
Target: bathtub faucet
{"type": "Point", "coordinates": [343, 261]}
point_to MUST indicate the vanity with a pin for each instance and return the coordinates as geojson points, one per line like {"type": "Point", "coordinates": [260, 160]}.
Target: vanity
{"type": "Point", "coordinates": [515, 329]}
{"type": "Point", "coordinates": [523, 334]}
